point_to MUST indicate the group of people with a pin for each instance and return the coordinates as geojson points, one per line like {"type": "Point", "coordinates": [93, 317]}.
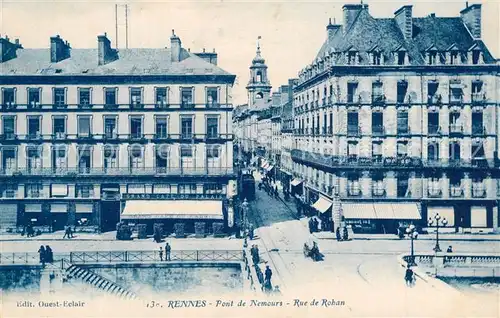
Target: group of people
{"type": "Point", "coordinates": [168, 248]}
{"type": "Point", "coordinates": [313, 252]}
{"type": "Point", "coordinates": [270, 187]}
{"type": "Point", "coordinates": [46, 254]}
{"type": "Point", "coordinates": [28, 230]}
{"type": "Point", "coordinates": [313, 225]}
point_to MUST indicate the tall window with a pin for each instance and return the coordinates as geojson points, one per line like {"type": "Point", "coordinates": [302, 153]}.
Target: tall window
{"type": "Point", "coordinates": [187, 97]}
{"type": "Point", "coordinates": [402, 149]}
{"type": "Point", "coordinates": [110, 96]}
{"type": "Point", "coordinates": [110, 157]}
{"type": "Point", "coordinates": [402, 122]}
{"type": "Point", "coordinates": [84, 159]}
{"type": "Point", "coordinates": [352, 123]}
{"type": "Point", "coordinates": [161, 97]}
{"type": "Point", "coordinates": [59, 127]}
{"type": "Point", "coordinates": [9, 158]}
{"type": "Point", "coordinates": [212, 127]}
{"type": "Point", "coordinates": [161, 128]}
{"type": "Point", "coordinates": [477, 95]}
{"type": "Point", "coordinates": [212, 97]}
{"type": "Point", "coordinates": [9, 127]}
{"type": "Point", "coordinates": [402, 89]}
{"type": "Point", "coordinates": [352, 149]}
{"type": "Point", "coordinates": [8, 97]}
{"type": "Point", "coordinates": [433, 123]}
{"type": "Point", "coordinates": [433, 151]}
{"type": "Point", "coordinates": [187, 158]}
{"type": "Point", "coordinates": [456, 93]}
{"type": "Point", "coordinates": [186, 127]}
{"type": "Point", "coordinates": [59, 97]}
{"type": "Point", "coordinates": [84, 126]}
{"type": "Point", "coordinates": [401, 57]}
{"type": "Point", "coordinates": [454, 151]}
{"type": "Point", "coordinates": [84, 97]}
{"type": "Point", "coordinates": [352, 91]}
{"type": "Point", "coordinates": [33, 190]}
{"type": "Point", "coordinates": [377, 123]}
{"type": "Point", "coordinates": [377, 151]}
{"type": "Point", "coordinates": [477, 123]}
{"type": "Point", "coordinates": [136, 157]}
{"type": "Point", "coordinates": [110, 127]}
{"type": "Point", "coordinates": [34, 160]}
{"type": "Point", "coordinates": [59, 158]}
{"type": "Point", "coordinates": [162, 156]}
{"type": "Point", "coordinates": [33, 97]}
{"type": "Point", "coordinates": [376, 58]}
{"type": "Point", "coordinates": [135, 97]}
{"type": "Point", "coordinates": [377, 92]}
{"type": "Point", "coordinates": [432, 96]}
{"type": "Point", "coordinates": [478, 151]}
{"type": "Point", "coordinates": [136, 127]}
{"type": "Point", "coordinates": [34, 127]}
{"type": "Point", "coordinates": [402, 184]}
{"type": "Point", "coordinates": [213, 156]}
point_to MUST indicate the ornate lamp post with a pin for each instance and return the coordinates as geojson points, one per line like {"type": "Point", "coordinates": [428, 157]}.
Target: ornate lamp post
{"type": "Point", "coordinates": [437, 221]}
{"type": "Point", "coordinates": [244, 210]}
{"type": "Point", "coordinates": [412, 233]}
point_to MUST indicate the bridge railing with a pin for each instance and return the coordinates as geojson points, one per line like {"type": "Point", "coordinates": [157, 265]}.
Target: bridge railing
{"type": "Point", "coordinates": [455, 260]}
{"type": "Point", "coordinates": [89, 257]}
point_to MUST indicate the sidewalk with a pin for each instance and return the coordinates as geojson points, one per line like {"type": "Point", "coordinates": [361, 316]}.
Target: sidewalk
{"type": "Point", "coordinates": [431, 237]}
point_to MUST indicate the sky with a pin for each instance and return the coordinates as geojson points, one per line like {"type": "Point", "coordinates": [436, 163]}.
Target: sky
{"type": "Point", "coordinates": [292, 31]}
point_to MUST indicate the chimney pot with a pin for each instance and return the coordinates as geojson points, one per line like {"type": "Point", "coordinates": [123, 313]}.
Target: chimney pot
{"type": "Point", "coordinates": [471, 17]}
{"type": "Point", "coordinates": [404, 20]}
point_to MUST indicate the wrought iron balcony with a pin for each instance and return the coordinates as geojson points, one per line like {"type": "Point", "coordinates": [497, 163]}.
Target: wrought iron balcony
{"type": "Point", "coordinates": [128, 171]}
{"type": "Point", "coordinates": [478, 190]}
{"type": "Point", "coordinates": [353, 99]}
{"type": "Point", "coordinates": [456, 129]}
{"type": "Point", "coordinates": [353, 190]}
{"type": "Point", "coordinates": [478, 130]}
{"type": "Point", "coordinates": [435, 99]}
{"type": "Point", "coordinates": [59, 135]}
{"type": "Point", "coordinates": [85, 105]}
{"type": "Point", "coordinates": [60, 106]}
{"type": "Point", "coordinates": [433, 130]}
{"type": "Point", "coordinates": [136, 105]}
{"type": "Point", "coordinates": [378, 130]}
{"type": "Point", "coordinates": [434, 192]}
{"type": "Point", "coordinates": [353, 131]}
{"type": "Point", "coordinates": [378, 99]}
{"type": "Point", "coordinates": [377, 191]}
{"type": "Point", "coordinates": [111, 106]}
{"type": "Point", "coordinates": [162, 105]}
{"type": "Point", "coordinates": [213, 105]}
{"type": "Point", "coordinates": [456, 99]}
{"type": "Point", "coordinates": [34, 105]}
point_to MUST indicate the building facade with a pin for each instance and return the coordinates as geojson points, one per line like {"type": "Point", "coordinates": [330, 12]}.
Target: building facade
{"type": "Point", "coordinates": [398, 117]}
{"type": "Point", "coordinates": [95, 136]}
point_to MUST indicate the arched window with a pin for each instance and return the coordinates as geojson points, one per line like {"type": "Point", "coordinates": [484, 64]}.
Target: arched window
{"type": "Point", "coordinates": [260, 95]}
{"type": "Point", "coordinates": [259, 77]}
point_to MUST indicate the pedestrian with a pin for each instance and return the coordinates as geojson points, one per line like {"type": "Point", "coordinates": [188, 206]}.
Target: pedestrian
{"type": "Point", "coordinates": [315, 225]}
{"type": "Point", "coordinates": [276, 192]}
{"type": "Point", "coordinates": [161, 254]}
{"type": "Point", "coordinates": [49, 256]}
{"type": "Point", "coordinates": [250, 231]}
{"type": "Point", "coordinates": [337, 234]}
{"type": "Point", "coordinates": [67, 230]}
{"type": "Point", "coordinates": [345, 234]}
{"type": "Point", "coordinates": [167, 251]}
{"type": "Point", "coordinates": [256, 259]}
{"type": "Point", "coordinates": [41, 251]}
{"type": "Point", "coordinates": [409, 276]}
{"type": "Point", "coordinates": [311, 225]}
{"type": "Point", "coordinates": [268, 274]}
{"type": "Point", "coordinates": [450, 249]}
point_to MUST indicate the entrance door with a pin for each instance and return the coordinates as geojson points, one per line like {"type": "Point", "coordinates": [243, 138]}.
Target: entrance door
{"type": "Point", "coordinates": [110, 215]}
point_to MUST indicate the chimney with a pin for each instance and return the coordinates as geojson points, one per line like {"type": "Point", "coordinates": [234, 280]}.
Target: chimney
{"type": "Point", "coordinates": [351, 11]}
{"type": "Point", "coordinates": [208, 57]}
{"type": "Point", "coordinates": [471, 17]}
{"type": "Point", "coordinates": [105, 54]}
{"type": "Point", "coordinates": [175, 47]}
{"type": "Point", "coordinates": [59, 50]}
{"type": "Point", "coordinates": [8, 49]}
{"type": "Point", "coordinates": [403, 18]}
{"type": "Point", "coordinates": [332, 29]}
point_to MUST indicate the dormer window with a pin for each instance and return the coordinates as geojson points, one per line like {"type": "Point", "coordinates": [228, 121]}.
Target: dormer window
{"type": "Point", "coordinates": [476, 54]}
{"type": "Point", "coordinates": [454, 57]}
{"type": "Point", "coordinates": [376, 58]}
{"type": "Point", "coordinates": [401, 57]}
{"type": "Point", "coordinates": [432, 58]}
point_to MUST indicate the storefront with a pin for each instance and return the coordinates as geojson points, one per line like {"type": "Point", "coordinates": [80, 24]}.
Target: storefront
{"type": "Point", "coordinates": [170, 212]}
{"type": "Point", "coordinates": [463, 217]}
{"type": "Point", "coordinates": [296, 188]}
{"type": "Point", "coordinates": [380, 217]}
{"type": "Point", "coordinates": [323, 206]}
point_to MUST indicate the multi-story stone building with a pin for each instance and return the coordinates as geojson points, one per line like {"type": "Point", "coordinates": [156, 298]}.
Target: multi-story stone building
{"type": "Point", "coordinates": [95, 136]}
{"type": "Point", "coordinates": [399, 117]}
{"type": "Point", "coordinates": [287, 137]}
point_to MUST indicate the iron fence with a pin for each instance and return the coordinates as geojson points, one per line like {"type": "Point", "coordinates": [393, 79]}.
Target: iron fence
{"type": "Point", "coordinates": [126, 256]}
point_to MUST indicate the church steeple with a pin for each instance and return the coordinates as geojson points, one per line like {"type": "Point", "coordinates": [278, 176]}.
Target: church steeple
{"type": "Point", "coordinates": [258, 86]}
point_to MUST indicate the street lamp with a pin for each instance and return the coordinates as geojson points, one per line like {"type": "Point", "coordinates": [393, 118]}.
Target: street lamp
{"type": "Point", "coordinates": [244, 210]}
{"type": "Point", "coordinates": [412, 232]}
{"type": "Point", "coordinates": [437, 221]}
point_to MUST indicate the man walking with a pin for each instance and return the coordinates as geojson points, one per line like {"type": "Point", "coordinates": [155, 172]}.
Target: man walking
{"type": "Point", "coordinates": [167, 252]}
{"type": "Point", "coordinates": [161, 254]}
{"type": "Point", "coordinates": [268, 274]}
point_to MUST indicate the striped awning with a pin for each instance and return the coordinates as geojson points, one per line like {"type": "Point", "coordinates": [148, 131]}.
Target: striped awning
{"type": "Point", "coordinates": [322, 205]}
{"type": "Point", "coordinates": [173, 209]}
{"type": "Point", "coordinates": [359, 211]}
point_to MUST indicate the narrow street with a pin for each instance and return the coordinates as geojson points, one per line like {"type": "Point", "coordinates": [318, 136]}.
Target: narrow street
{"type": "Point", "coordinates": [365, 274]}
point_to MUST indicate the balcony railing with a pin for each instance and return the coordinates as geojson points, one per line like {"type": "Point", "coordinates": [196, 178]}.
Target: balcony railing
{"type": "Point", "coordinates": [378, 130]}
{"type": "Point", "coordinates": [353, 131]}
{"type": "Point", "coordinates": [353, 190]}
{"type": "Point", "coordinates": [353, 99]}
{"type": "Point", "coordinates": [433, 130]}
{"type": "Point", "coordinates": [85, 105]}
{"type": "Point", "coordinates": [434, 192]}
{"type": "Point", "coordinates": [435, 99]}
{"type": "Point", "coordinates": [456, 99]}
{"type": "Point", "coordinates": [456, 129]}
{"type": "Point", "coordinates": [143, 171]}
{"type": "Point", "coordinates": [77, 106]}
{"type": "Point", "coordinates": [59, 135]}
{"type": "Point", "coordinates": [478, 130]}
{"type": "Point", "coordinates": [60, 106]}
{"type": "Point", "coordinates": [456, 192]}
{"type": "Point", "coordinates": [403, 130]}
{"type": "Point", "coordinates": [377, 191]}
{"type": "Point", "coordinates": [137, 105]}
{"type": "Point", "coordinates": [187, 105]}
{"type": "Point", "coordinates": [114, 136]}
{"type": "Point", "coordinates": [9, 105]}
{"type": "Point", "coordinates": [378, 99]}
{"type": "Point", "coordinates": [34, 105]}
{"type": "Point", "coordinates": [161, 105]}
{"type": "Point", "coordinates": [213, 105]}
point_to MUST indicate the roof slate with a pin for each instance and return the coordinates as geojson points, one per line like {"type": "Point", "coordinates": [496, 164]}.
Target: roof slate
{"type": "Point", "coordinates": [367, 32]}
{"type": "Point", "coordinates": [130, 62]}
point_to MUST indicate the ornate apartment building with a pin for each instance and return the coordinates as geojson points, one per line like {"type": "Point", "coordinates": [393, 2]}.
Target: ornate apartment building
{"type": "Point", "coordinates": [95, 136]}
{"type": "Point", "coordinates": [398, 117]}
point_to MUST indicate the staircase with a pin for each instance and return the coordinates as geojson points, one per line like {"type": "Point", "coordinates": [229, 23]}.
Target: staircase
{"type": "Point", "coordinates": [99, 282]}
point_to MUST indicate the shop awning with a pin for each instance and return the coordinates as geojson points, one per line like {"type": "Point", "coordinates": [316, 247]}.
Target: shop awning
{"type": "Point", "coordinates": [322, 205]}
{"type": "Point", "coordinates": [296, 182]}
{"type": "Point", "coordinates": [58, 208]}
{"type": "Point", "coordinates": [384, 211]}
{"type": "Point", "coordinates": [359, 211]}
{"type": "Point", "coordinates": [406, 211]}
{"type": "Point", "coordinates": [264, 163]}
{"type": "Point", "coordinates": [172, 209]}
{"type": "Point", "coordinates": [270, 167]}
{"type": "Point", "coordinates": [33, 208]}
